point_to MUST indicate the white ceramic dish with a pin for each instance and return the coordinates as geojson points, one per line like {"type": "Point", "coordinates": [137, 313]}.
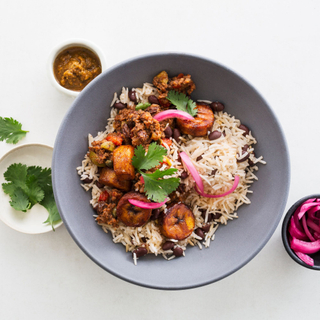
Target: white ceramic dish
{"type": "Point", "coordinates": [68, 44]}
{"type": "Point", "coordinates": [31, 221]}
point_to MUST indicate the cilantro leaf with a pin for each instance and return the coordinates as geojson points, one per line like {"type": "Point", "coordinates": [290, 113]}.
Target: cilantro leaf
{"type": "Point", "coordinates": [19, 200]}
{"type": "Point", "coordinates": [10, 130]}
{"type": "Point", "coordinates": [158, 190]}
{"type": "Point", "coordinates": [49, 203]}
{"type": "Point", "coordinates": [143, 161]}
{"type": "Point", "coordinates": [33, 191]}
{"type": "Point", "coordinates": [182, 102]}
{"type": "Point", "coordinates": [28, 186]}
{"type": "Point", "coordinates": [17, 174]}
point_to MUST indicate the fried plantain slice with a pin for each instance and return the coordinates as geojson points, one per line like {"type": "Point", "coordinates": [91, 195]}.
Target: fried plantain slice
{"type": "Point", "coordinates": [202, 122]}
{"type": "Point", "coordinates": [178, 223]}
{"type": "Point", "coordinates": [109, 178]}
{"type": "Point", "coordinates": [131, 215]}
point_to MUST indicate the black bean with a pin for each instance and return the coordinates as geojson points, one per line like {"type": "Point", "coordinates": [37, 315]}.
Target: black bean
{"type": "Point", "coordinates": [199, 158]}
{"type": "Point", "coordinates": [217, 106]}
{"type": "Point", "coordinates": [144, 239]}
{"type": "Point", "coordinates": [178, 252]}
{"type": "Point", "coordinates": [99, 185]}
{"type": "Point", "coordinates": [140, 252]}
{"type": "Point", "coordinates": [87, 180]}
{"type": "Point", "coordinates": [153, 100]}
{"type": "Point", "coordinates": [199, 233]}
{"type": "Point", "coordinates": [250, 163]}
{"type": "Point", "coordinates": [119, 105]}
{"type": "Point", "coordinates": [168, 245]}
{"type": "Point", "coordinates": [132, 96]}
{"type": "Point", "coordinates": [213, 172]}
{"type": "Point", "coordinates": [245, 129]}
{"type": "Point", "coordinates": [206, 227]}
{"type": "Point", "coordinates": [155, 214]}
{"type": "Point", "coordinates": [214, 135]}
{"type": "Point", "coordinates": [184, 175]}
{"type": "Point", "coordinates": [168, 132]}
{"type": "Point", "coordinates": [176, 135]}
{"type": "Point", "coordinates": [203, 215]}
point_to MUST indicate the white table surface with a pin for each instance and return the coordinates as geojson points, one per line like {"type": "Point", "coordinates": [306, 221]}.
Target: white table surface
{"type": "Point", "coordinates": [273, 44]}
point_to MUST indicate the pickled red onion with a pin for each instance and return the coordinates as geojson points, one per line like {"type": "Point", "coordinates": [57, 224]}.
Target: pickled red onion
{"type": "Point", "coordinates": [147, 205]}
{"type": "Point", "coordinates": [235, 184]}
{"type": "Point", "coordinates": [305, 258]}
{"type": "Point", "coordinates": [193, 171]}
{"type": "Point", "coordinates": [173, 114]}
{"type": "Point", "coordinates": [305, 247]}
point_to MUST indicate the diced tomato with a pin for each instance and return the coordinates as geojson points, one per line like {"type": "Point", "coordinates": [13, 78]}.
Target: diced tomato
{"type": "Point", "coordinates": [115, 138]}
{"type": "Point", "coordinates": [104, 196]}
{"type": "Point", "coordinates": [141, 179]}
{"type": "Point", "coordinates": [167, 141]}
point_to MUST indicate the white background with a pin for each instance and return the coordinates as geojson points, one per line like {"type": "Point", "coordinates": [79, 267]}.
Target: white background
{"type": "Point", "coordinates": [274, 44]}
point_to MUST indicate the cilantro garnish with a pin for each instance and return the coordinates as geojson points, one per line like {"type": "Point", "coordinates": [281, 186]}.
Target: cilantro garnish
{"type": "Point", "coordinates": [28, 186]}
{"type": "Point", "coordinates": [10, 130]}
{"type": "Point", "coordinates": [182, 102]}
{"type": "Point", "coordinates": [156, 188]}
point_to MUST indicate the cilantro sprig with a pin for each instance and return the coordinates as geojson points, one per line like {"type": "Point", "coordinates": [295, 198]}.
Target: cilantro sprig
{"type": "Point", "coordinates": [157, 187]}
{"type": "Point", "coordinates": [28, 186]}
{"type": "Point", "coordinates": [10, 130]}
{"type": "Point", "coordinates": [182, 102]}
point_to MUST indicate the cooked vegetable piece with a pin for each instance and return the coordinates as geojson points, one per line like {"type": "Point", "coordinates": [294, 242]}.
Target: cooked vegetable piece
{"type": "Point", "coordinates": [96, 159]}
{"type": "Point", "coordinates": [108, 145]}
{"type": "Point", "coordinates": [115, 138]}
{"type": "Point", "coordinates": [130, 215]}
{"type": "Point", "coordinates": [161, 81]}
{"type": "Point", "coordinates": [201, 124]}
{"type": "Point", "coordinates": [122, 162]}
{"type": "Point", "coordinates": [178, 223]}
{"type": "Point", "coordinates": [109, 178]}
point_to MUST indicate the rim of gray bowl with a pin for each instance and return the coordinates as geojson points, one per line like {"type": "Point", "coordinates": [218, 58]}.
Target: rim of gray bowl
{"type": "Point", "coordinates": [284, 232]}
{"type": "Point", "coordinates": [284, 196]}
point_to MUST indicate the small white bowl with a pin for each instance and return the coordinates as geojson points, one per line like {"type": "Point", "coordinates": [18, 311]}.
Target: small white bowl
{"type": "Point", "coordinates": [68, 44]}
{"type": "Point", "coordinates": [32, 221]}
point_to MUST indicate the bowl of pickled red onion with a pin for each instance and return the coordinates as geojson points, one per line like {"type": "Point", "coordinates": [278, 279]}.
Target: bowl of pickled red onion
{"type": "Point", "coordinates": [301, 232]}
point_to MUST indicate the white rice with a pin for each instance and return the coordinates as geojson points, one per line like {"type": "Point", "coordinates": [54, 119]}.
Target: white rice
{"type": "Point", "coordinates": [220, 154]}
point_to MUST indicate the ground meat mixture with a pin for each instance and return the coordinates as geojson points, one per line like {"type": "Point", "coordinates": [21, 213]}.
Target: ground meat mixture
{"type": "Point", "coordinates": [139, 126]}
{"type": "Point", "coordinates": [181, 83]}
{"type": "Point", "coordinates": [105, 211]}
{"type": "Point", "coordinates": [101, 154]}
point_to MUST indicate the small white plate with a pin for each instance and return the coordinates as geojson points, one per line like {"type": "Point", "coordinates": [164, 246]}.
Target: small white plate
{"type": "Point", "coordinates": [31, 221]}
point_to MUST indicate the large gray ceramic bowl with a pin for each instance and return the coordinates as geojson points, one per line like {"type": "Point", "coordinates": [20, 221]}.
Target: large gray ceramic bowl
{"type": "Point", "coordinates": [235, 244]}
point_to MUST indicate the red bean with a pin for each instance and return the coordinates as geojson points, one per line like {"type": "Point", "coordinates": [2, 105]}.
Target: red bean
{"type": "Point", "coordinates": [184, 175]}
{"type": "Point", "coordinates": [214, 135]}
{"type": "Point", "coordinates": [153, 100]}
{"type": "Point", "coordinates": [176, 135]}
{"type": "Point", "coordinates": [168, 245]}
{"type": "Point", "coordinates": [168, 132]}
{"type": "Point", "coordinates": [155, 214]}
{"type": "Point", "coordinates": [140, 252]}
{"type": "Point", "coordinates": [178, 252]}
{"type": "Point", "coordinates": [120, 105]}
{"type": "Point", "coordinates": [245, 129]}
{"type": "Point", "coordinates": [132, 96]}
{"type": "Point", "coordinates": [217, 106]}
{"type": "Point", "coordinates": [206, 227]}
{"type": "Point", "coordinates": [199, 233]}
{"type": "Point", "coordinates": [243, 158]}
{"type": "Point", "coordinates": [87, 180]}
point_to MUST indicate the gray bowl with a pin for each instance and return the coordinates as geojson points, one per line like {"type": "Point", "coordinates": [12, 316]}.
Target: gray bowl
{"type": "Point", "coordinates": [235, 244]}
